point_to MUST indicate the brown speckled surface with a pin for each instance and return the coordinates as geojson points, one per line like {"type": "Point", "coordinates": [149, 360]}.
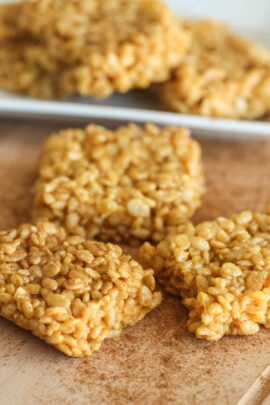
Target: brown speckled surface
{"type": "Point", "coordinates": [156, 362]}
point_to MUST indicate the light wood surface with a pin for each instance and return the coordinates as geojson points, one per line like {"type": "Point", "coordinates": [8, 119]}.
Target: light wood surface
{"type": "Point", "coordinates": [155, 362]}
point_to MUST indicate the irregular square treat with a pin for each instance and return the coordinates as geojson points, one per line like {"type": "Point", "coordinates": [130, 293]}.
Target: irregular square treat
{"type": "Point", "coordinates": [223, 75]}
{"type": "Point", "coordinates": [221, 270]}
{"type": "Point", "coordinates": [70, 292]}
{"type": "Point", "coordinates": [127, 185]}
{"type": "Point", "coordinates": [88, 47]}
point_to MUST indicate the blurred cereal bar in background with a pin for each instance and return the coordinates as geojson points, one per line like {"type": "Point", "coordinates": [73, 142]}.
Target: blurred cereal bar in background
{"type": "Point", "coordinates": [223, 75]}
{"type": "Point", "coordinates": [87, 47]}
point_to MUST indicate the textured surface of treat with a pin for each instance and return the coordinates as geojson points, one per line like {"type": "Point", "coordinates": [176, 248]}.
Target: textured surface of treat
{"type": "Point", "coordinates": [223, 75]}
{"type": "Point", "coordinates": [8, 29]}
{"type": "Point", "coordinates": [221, 270]}
{"type": "Point", "coordinates": [70, 292]}
{"type": "Point", "coordinates": [126, 185]}
{"type": "Point", "coordinates": [90, 47]}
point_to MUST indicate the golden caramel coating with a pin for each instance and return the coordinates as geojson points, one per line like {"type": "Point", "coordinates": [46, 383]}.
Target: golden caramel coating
{"type": "Point", "coordinates": [127, 185]}
{"type": "Point", "coordinates": [70, 292]}
{"type": "Point", "coordinates": [221, 270]}
{"type": "Point", "coordinates": [7, 27]}
{"type": "Point", "coordinates": [88, 47]}
{"type": "Point", "coordinates": [223, 75]}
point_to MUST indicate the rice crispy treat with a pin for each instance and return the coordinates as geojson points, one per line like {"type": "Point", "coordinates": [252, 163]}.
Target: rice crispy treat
{"type": "Point", "coordinates": [127, 185]}
{"type": "Point", "coordinates": [21, 65]}
{"type": "Point", "coordinates": [70, 292]}
{"type": "Point", "coordinates": [7, 27]}
{"type": "Point", "coordinates": [88, 47]}
{"type": "Point", "coordinates": [221, 270]}
{"type": "Point", "coordinates": [223, 75]}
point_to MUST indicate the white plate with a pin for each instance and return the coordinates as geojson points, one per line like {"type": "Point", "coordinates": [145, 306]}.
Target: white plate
{"type": "Point", "coordinates": [253, 17]}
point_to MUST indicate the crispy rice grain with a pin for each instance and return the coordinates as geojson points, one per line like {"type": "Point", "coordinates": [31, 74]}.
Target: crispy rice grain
{"type": "Point", "coordinates": [89, 47]}
{"type": "Point", "coordinates": [223, 75]}
{"type": "Point", "coordinates": [221, 270]}
{"type": "Point", "coordinates": [70, 292]}
{"type": "Point", "coordinates": [126, 185]}
{"type": "Point", "coordinates": [7, 27]}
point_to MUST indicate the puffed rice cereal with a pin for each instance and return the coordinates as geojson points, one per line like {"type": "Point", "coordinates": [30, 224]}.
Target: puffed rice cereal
{"type": "Point", "coordinates": [88, 47]}
{"type": "Point", "coordinates": [127, 185]}
{"type": "Point", "coordinates": [7, 28]}
{"type": "Point", "coordinates": [221, 270]}
{"type": "Point", "coordinates": [70, 292]}
{"type": "Point", "coordinates": [223, 75]}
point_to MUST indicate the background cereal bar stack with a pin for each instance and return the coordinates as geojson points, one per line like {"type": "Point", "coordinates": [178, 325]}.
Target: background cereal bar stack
{"type": "Point", "coordinates": [126, 185]}
{"type": "Point", "coordinates": [22, 67]}
{"type": "Point", "coordinates": [90, 47]}
{"type": "Point", "coordinates": [223, 75]}
{"type": "Point", "coordinates": [70, 292]}
{"type": "Point", "coordinates": [221, 270]}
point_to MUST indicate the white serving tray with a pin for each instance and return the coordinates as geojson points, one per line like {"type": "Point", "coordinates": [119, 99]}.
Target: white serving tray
{"type": "Point", "coordinates": [251, 16]}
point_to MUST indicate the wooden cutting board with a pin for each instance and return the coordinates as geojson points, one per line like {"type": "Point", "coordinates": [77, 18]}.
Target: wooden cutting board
{"type": "Point", "coordinates": [155, 362]}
